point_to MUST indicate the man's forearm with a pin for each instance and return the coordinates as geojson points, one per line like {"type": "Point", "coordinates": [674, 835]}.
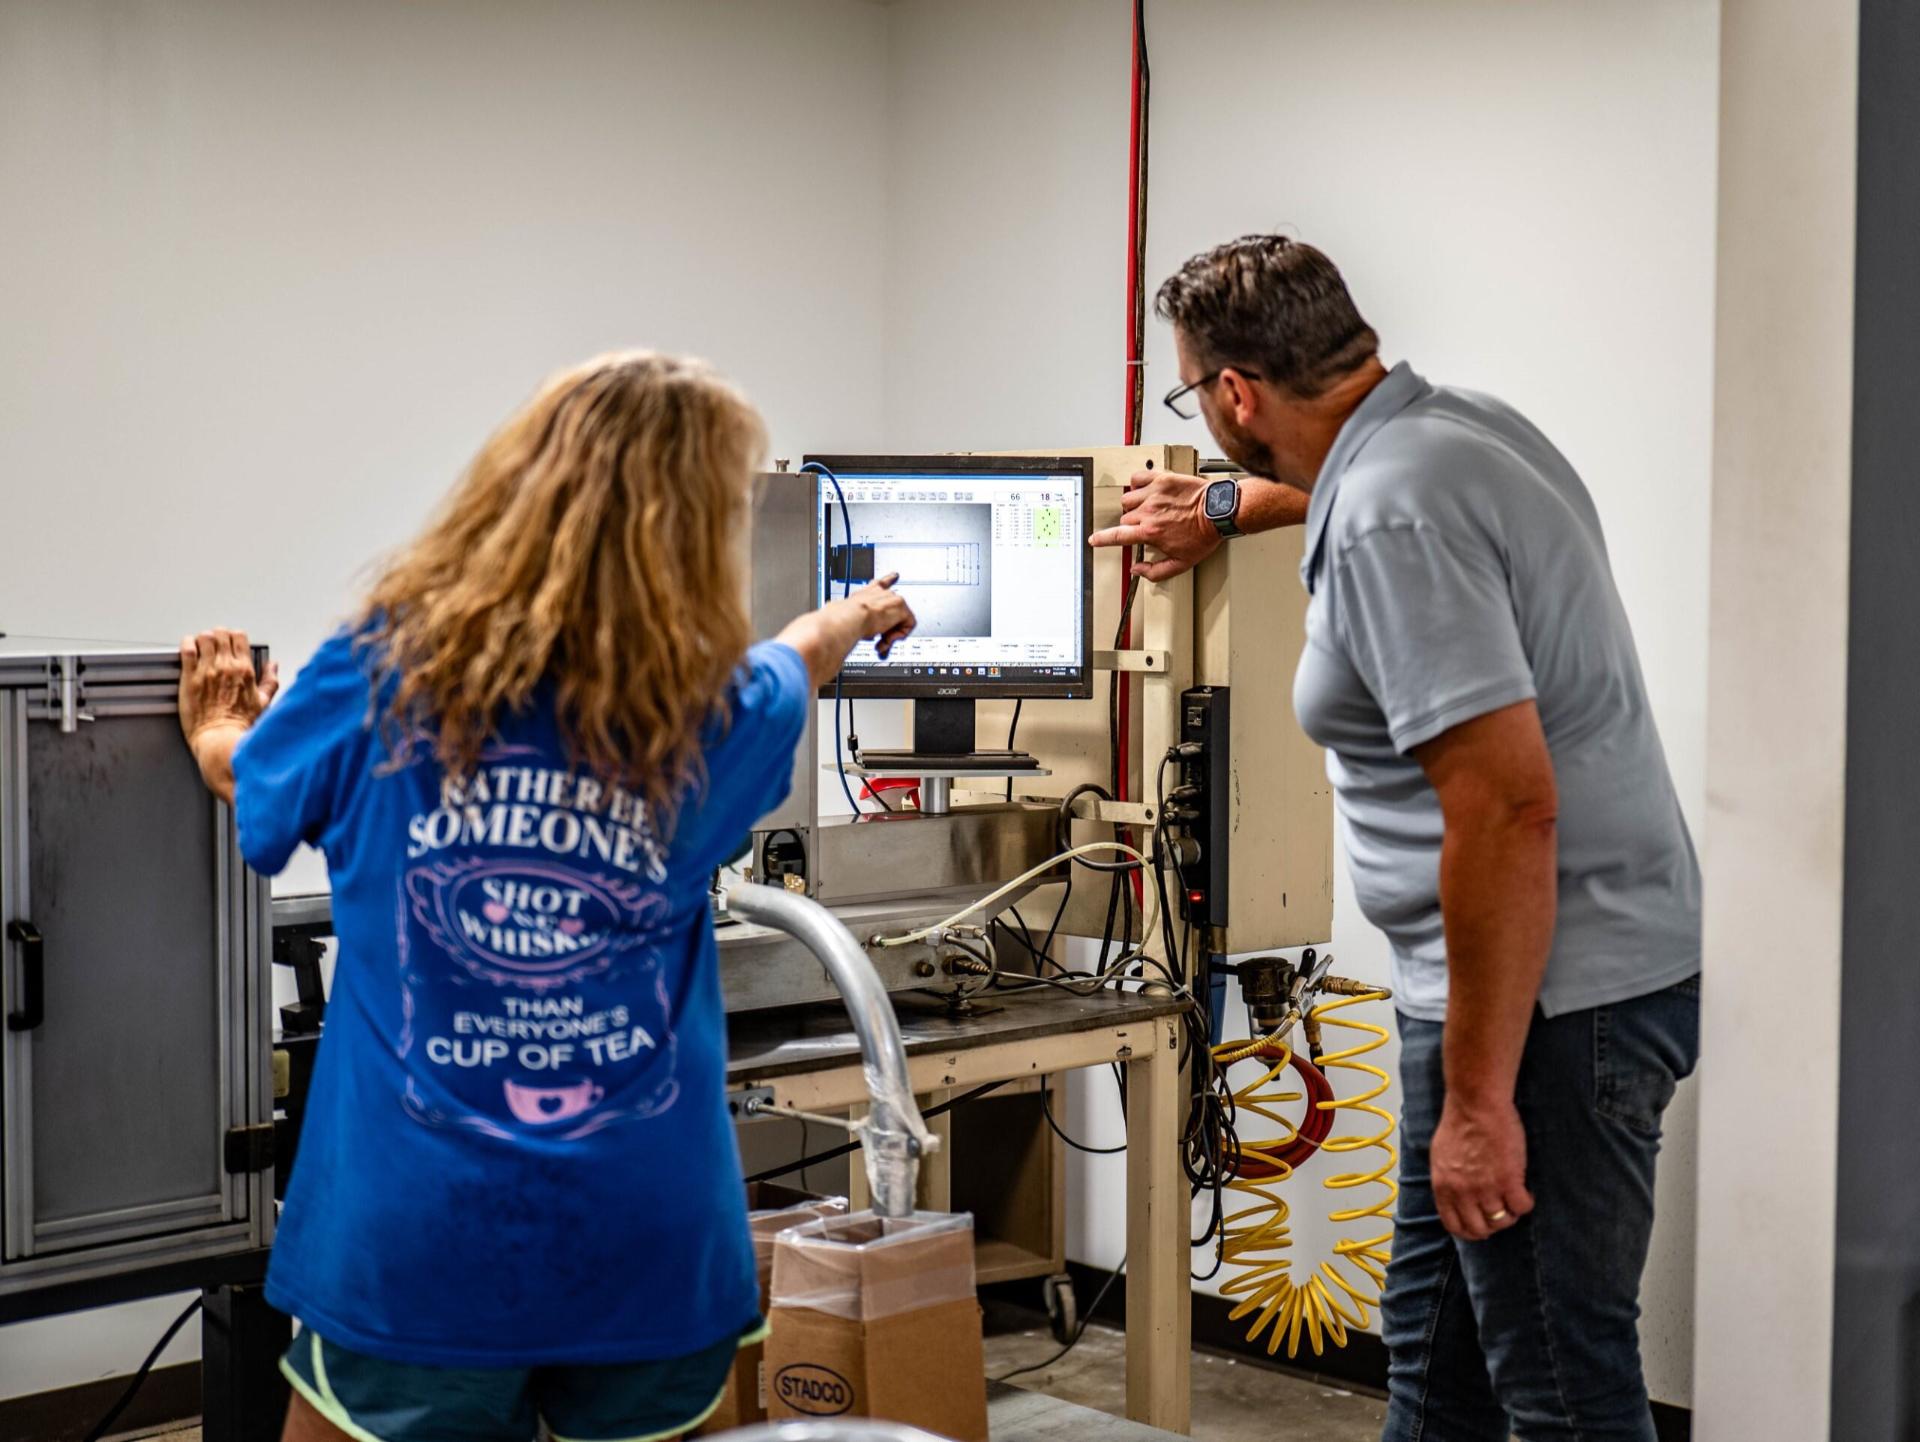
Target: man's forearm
{"type": "Point", "coordinates": [1269, 505]}
{"type": "Point", "coordinates": [1498, 898]}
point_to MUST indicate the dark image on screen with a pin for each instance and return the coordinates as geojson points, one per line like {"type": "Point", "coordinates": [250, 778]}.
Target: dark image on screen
{"type": "Point", "coordinates": [943, 552]}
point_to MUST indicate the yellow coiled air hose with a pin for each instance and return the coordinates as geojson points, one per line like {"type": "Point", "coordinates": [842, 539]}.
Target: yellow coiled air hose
{"type": "Point", "coordinates": [1346, 1287]}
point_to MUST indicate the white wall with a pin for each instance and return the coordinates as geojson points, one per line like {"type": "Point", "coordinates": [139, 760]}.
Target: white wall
{"type": "Point", "coordinates": [1522, 198]}
{"type": "Point", "coordinates": [269, 274]}
{"type": "Point", "coordinates": [1776, 825]}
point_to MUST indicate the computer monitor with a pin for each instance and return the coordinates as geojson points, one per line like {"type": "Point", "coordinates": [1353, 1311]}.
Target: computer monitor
{"type": "Point", "coordinates": [992, 555]}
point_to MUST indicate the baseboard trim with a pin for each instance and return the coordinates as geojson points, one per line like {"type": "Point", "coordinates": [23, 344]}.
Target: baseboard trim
{"type": "Point", "coordinates": [67, 1414]}
{"type": "Point", "coordinates": [1360, 1366]}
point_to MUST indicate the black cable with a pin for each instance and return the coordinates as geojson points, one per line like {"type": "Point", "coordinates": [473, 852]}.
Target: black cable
{"type": "Point", "coordinates": [853, 744]}
{"type": "Point", "coordinates": [105, 1424]}
{"type": "Point", "coordinates": [1075, 983]}
{"type": "Point", "coordinates": [1078, 1332]}
{"type": "Point", "coordinates": [1025, 939]}
{"type": "Point", "coordinates": [1053, 927]}
{"type": "Point", "coordinates": [1013, 729]}
{"type": "Point", "coordinates": [1122, 888]}
{"type": "Point", "coordinates": [1063, 835]}
{"type": "Point", "coordinates": [846, 584]}
{"type": "Point", "coordinates": [789, 1168]}
{"type": "Point", "coordinates": [766, 844]}
{"type": "Point", "coordinates": [1046, 1110]}
{"type": "Point", "coordinates": [1210, 1140]}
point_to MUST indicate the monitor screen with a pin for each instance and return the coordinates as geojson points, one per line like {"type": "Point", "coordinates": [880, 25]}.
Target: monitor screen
{"type": "Point", "coordinates": [992, 555]}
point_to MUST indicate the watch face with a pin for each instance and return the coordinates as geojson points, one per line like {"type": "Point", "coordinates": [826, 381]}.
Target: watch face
{"type": "Point", "coordinates": [1222, 500]}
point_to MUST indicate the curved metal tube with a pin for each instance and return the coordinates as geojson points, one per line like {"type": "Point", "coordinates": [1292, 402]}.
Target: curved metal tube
{"type": "Point", "coordinates": [894, 1134]}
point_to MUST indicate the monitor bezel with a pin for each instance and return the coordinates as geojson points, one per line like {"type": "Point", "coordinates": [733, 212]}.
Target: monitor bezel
{"type": "Point", "coordinates": [1078, 687]}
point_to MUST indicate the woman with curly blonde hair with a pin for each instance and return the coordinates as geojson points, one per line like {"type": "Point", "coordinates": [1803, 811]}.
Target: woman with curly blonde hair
{"type": "Point", "coordinates": [518, 1197]}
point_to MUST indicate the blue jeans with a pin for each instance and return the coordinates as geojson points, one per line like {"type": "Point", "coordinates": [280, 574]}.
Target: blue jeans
{"type": "Point", "coordinates": [1535, 1330]}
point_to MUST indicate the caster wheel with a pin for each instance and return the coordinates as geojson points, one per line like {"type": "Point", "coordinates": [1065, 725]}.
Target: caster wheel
{"type": "Point", "coordinates": [1063, 1308]}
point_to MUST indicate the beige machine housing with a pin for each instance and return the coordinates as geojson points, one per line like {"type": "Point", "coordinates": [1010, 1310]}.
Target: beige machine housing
{"type": "Point", "coordinates": [1238, 620]}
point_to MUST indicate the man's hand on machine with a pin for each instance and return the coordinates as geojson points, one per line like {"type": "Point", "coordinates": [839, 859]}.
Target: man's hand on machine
{"type": "Point", "coordinates": [1166, 512]}
{"type": "Point", "coordinates": [220, 699]}
{"type": "Point", "coordinates": [824, 637]}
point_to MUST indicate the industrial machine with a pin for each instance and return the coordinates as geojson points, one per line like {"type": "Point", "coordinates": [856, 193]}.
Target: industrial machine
{"type": "Point", "coordinates": [983, 548]}
{"type": "Point", "coordinates": [1151, 721]}
{"type": "Point", "coordinates": [135, 968]}
{"type": "Point", "coordinates": [1137, 707]}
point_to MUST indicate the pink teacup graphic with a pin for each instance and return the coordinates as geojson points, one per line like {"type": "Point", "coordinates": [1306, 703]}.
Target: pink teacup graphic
{"type": "Point", "coordinates": [539, 1105]}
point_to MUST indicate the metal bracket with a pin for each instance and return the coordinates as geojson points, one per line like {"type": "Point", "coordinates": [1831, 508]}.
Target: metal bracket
{"type": "Point", "coordinates": [250, 1149]}
{"type": "Point", "coordinates": [1085, 808]}
{"type": "Point", "coordinates": [1152, 663]}
{"type": "Point", "coordinates": [1121, 813]}
{"type": "Point", "coordinates": [749, 1102]}
{"type": "Point", "coordinates": [66, 693]}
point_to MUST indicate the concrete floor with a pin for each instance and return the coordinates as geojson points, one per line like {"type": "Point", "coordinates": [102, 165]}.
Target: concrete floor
{"type": "Point", "coordinates": [1233, 1401]}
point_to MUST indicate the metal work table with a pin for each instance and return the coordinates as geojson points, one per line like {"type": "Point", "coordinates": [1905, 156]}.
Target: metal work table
{"type": "Point", "coordinates": [809, 1059]}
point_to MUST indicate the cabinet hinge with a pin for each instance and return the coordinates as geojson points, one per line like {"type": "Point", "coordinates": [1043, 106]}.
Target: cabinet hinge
{"type": "Point", "coordinates": [250, 1149]}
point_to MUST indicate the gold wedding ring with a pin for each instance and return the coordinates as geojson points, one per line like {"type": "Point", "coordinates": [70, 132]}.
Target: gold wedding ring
{"type": "Point", "coordinates": [1499, 1216]}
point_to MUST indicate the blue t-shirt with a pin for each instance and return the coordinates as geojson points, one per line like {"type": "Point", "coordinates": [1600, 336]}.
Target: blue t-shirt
{"type": "Point", "coordinates": [517, 1149]}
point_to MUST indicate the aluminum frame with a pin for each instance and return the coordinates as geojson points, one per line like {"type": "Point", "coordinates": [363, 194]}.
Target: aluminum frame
{"type": "Point", "coordinates": [68, 690]}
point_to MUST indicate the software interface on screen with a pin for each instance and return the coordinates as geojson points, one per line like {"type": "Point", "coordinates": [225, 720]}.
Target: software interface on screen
{"type": "Point", "coordinates": [991, 565]}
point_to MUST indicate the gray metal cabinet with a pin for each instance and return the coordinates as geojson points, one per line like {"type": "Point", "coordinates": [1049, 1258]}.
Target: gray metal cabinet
{"type": "Point", "coordinates": [135, 1064]}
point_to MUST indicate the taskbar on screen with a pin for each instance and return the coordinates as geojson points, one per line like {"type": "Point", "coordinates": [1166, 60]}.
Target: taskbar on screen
{"type": "Point", "coordinates": [961, 673]}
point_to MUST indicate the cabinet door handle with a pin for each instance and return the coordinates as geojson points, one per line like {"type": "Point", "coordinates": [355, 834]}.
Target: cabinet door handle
{"type": "Point", "coordinates": [33, 977]}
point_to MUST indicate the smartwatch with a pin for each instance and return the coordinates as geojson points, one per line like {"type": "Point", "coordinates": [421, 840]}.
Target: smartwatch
{"type": "Point", "coordinates": [1222, 506]}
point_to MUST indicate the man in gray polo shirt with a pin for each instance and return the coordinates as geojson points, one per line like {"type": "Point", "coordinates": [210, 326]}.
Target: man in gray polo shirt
{"type": "Point", "coordinates": [1509, 824]}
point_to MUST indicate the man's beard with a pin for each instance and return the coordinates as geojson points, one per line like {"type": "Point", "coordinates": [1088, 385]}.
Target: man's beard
{"type": "Point", "coordinates": [1253, 457]}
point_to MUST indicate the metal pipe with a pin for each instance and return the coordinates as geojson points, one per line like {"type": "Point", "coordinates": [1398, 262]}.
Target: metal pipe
{"type": "Point", "coordinates": [894, 1134]}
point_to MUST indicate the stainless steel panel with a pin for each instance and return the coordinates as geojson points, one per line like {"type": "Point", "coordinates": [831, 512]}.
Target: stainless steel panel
{"type": "Point", "coordinates": [129, 882]}
{"type": "Point", "coordinates": [761, 968]}
{"type": "Point", "coordinates": [782, 570]}
{"type": "Point", "coordinates": [972, 848]}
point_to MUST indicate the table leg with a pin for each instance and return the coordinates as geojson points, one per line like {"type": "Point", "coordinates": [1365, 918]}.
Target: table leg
{"type": "Point", "coordinates": [243, 1396]}
{"type": "Point", "coordinates": [1159, 1289]}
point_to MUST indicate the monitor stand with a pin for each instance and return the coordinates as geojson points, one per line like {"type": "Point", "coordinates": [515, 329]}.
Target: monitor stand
{"type": "Point", "coordinates": [943, 736]}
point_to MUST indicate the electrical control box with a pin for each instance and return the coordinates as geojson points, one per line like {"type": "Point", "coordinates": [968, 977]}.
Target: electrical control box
{"type": "Point", "coordinates": [1199, 813]}
{"type": "Point", "coordinates": [1276, 805]}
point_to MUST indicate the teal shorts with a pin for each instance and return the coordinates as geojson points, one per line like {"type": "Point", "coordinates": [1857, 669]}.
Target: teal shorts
{"type": "Point", "coordinates": [377, 1401]}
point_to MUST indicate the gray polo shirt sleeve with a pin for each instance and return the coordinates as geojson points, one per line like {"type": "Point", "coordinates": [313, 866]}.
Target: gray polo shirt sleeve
{"type": "Point", "coordinates": [1428, 622]}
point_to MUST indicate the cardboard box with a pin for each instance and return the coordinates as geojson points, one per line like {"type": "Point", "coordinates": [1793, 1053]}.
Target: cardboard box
{"type": "Point", "coordinates": [771, 1209]}
{"type": "Point", "coordinates": [876, 1317]}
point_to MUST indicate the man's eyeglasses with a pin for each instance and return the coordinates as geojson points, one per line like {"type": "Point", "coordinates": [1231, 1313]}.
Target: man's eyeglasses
{"type": "Point", "coordinates": [1183, 401]}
